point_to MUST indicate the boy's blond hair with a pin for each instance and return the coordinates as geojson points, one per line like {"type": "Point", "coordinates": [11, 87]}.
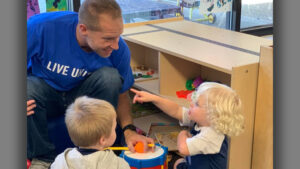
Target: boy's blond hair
{"type": "Point", "coordinates": [88, 120]}
{"type": "Point", "coordinates": [224, 107]}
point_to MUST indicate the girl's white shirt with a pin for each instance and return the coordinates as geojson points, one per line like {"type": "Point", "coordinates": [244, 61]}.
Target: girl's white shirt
{"type": "Point", "coordinates": [208, 141]}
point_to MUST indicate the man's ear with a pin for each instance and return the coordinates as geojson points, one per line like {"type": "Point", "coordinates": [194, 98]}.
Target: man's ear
{"type": "Point", "coordinates": [83, 29]}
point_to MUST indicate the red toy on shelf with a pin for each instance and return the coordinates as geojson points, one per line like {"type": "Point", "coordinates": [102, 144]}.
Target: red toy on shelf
{"type": "Point", "coordinates": [190, 85]}
{"type": "Point", "coordinates": [183, 93]}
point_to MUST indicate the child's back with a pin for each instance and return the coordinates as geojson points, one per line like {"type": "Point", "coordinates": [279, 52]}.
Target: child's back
{"type": "Point", "coordinates": [76, 158]}
{"type": "Point", "coordinates": [91, 124]}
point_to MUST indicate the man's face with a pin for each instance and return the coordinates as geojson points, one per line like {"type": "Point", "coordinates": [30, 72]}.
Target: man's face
{"type": "Point", "coordinates": [104, 41]}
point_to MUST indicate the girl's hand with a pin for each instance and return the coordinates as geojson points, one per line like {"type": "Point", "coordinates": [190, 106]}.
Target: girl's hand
{"type": "Point", "coordinates": [142, 96]}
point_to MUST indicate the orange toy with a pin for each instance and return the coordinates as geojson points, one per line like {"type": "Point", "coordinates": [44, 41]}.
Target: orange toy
{"type": "Point", "coordinates": [139, 147]}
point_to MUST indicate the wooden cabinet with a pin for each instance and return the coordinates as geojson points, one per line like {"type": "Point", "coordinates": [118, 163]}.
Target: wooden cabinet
{"type": "Point", "coordinates": [182, 50]}
{"type": "Point", "coordinates": [262, 156]}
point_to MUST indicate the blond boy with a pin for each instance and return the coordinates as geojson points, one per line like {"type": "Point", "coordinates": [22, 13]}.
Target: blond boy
{"type": "Point", "coordinates": [91, 125]}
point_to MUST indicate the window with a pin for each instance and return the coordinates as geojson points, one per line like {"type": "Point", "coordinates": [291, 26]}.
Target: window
{"type": "Point", "coordinates": [50, 5]}
{"type": "Point", "coordinates": [256, 17]}
{"type": "Point", "coordinates": [256, 13]}
{"type": "Point", "coordinates": [211, 12]}
{"type": "Point", "coordinates": [249, 16]}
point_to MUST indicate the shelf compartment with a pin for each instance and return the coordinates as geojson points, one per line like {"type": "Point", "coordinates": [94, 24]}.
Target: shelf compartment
{"type": "Point", "coordinates": [174, 72]}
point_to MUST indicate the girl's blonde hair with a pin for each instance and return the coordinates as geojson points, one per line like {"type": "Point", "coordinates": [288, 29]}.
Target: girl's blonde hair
{"type": "Point", "coordinates": [88, 120]}
{"type": "Point", "coordinates": [224, 107]}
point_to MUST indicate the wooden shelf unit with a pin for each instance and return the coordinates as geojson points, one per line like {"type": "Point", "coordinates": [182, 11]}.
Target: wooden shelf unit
{"type": "Point", "coordinates": [262, 156]}
{"type": "Point", "coordinates": [182, 50]}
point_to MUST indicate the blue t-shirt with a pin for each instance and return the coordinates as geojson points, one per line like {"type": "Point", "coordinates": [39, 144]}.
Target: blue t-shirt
{"type": "Point", "coordinates": [54, 54]}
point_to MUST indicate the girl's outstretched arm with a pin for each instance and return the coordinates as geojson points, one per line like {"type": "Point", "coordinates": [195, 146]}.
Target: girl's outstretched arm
{"type": "Point", "coordinates": [169, 107]}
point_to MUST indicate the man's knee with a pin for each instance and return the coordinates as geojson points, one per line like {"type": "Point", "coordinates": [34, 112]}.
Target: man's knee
{"type": "Point", "coordinates": [47, 99]}
{"type": "Point", "coordinates": [36, 87]}
{"type": "Point", "coordinates": [108, 77]}
{"type": "Point", "coordinates": [33, 86]}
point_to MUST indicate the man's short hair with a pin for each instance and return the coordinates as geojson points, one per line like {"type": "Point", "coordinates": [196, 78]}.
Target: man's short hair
{"type": "Point", "coordinates": [88, 120]}
{"type": "Point", "coordinates": [90, 10]}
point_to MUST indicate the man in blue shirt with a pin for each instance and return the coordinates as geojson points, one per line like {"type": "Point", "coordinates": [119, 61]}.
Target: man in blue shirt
{"type": "Point", "coordinates": [70, 55]}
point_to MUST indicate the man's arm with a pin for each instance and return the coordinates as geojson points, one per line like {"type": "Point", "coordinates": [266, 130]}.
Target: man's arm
{"type": "Point", "coordinates": [124, 109]}
{"type": "Point", "coordinates": [124, 118]}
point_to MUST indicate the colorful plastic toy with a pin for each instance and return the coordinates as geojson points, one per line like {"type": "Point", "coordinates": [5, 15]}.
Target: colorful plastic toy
{"type": "Point", "coordinates": [149, 160]}
{"type": "Point", "coordinates": [183, 93]}
{"type": "Point", "coordinates": [193, 83]}
{"type": "Point", "coordinates": [139, 147]}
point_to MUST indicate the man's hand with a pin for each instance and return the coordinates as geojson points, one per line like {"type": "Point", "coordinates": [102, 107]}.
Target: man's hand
{"type": "Point", "coordinates": [132, 138]}
{"type": "Point", "coordinates": [30, 106]}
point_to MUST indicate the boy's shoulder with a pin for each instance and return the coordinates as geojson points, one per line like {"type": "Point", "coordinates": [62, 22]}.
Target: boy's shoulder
{"type": "Point", "coordinates": [108, 159]}
{"type": "Point", "coordinates": [60, 160]}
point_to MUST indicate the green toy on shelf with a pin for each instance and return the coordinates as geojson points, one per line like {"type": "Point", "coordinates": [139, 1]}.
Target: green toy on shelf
{"type": "Point", "coordinates": [192, 84]}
